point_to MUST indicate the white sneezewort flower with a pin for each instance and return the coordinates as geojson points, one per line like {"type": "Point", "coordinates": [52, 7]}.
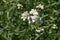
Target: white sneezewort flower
{"type": "Point", "coordinates": [34, 18]}
{"type": "Point", "coordinates": [39, 30]}
{"type": "Point", "coordinates": [19, 6]}
{"type": "Point", "coordinates": [40, 6]}
{"type": "Point", "coordinates": [42, 29]}
{"type": "Point", "coordinates": [34, 12]}
{"type": "Point", "coordinates": [24, 15]}
{"type": "Point", "coordinates": [54, 26]}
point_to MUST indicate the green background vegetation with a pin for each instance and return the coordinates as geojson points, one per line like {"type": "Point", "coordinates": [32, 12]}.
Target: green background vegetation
{"type": "Point", "coordinates": [13, 28]}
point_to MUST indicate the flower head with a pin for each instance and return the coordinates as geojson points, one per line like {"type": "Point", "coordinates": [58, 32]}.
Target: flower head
{"type": "Point", "coordinates": [38, 30]}
{"type": "Point", "coordinates": [54, 26]}
{"type": "Point", "coordinates": [34, 18]}
{"type": "Point", "coordinates": [19, 6]}
{"type": "Point", "coordinates": [33, 11]}
{"type": "Point", "coordinates": [40, 6]}
{"type": "Point", "coordinates": [24, 15]}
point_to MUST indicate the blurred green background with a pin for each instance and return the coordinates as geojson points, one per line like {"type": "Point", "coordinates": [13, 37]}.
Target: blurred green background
{"type": "Point", "coordinates": [12, 27]}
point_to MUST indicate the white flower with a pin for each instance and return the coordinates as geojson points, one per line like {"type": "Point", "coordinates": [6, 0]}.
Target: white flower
{"type": "Point", "coordinates": [54, 26]}
{"type": "Point", "coordinates": [42, 29]}
{"type": "Point", "coordinates": [29, 22]}
{"type": "Point", "coordinates": [24, 15]}
{"type": "Point", "coordinates": [34, 18]}
{"type": "Point", "coordinates": [19, 6]}
{"type": "Point", "coordinates": [40, 6]}
{"type": "Point", "coordinates": [38, 30]}
{"type": "Point", "coordinates": [24, 18]}
{"type": "Point", "coordinates": [33, 11]}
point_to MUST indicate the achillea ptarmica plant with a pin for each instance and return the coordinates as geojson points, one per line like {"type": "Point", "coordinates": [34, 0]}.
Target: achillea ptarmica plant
{"type": "Point", "coordinates": [34, 12]}
{"type": "Point", "coordinates": [19, 5]}
{"type": "Point", "coordinates": [24, 15]}
{"type": "Point", "coordinates": [40, 6]}
{"type": "Point", "coordinates": [31, 18]}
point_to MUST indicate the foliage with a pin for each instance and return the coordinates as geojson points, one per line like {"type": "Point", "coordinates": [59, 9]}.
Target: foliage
{"type": "Point", "coordinates": [12, 27]}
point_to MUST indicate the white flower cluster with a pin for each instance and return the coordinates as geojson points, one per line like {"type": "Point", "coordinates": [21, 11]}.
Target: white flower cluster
{"type": "Point", "coordinates": [30, 18]}
{"type": "Point", "coordinates": [19, 5]}
{"type": "Point", "coordinates": [40, 6]}
{"type": "Point", "coordinates": [35, 15]}
{"type": "Point", "coordinates": [34, 12]}
{"type": "Point", "coordinates": [54, 26]}
{"type": "Point", "coordinates": [24, 15]}
{"type": "Point", "coordinates": [39, 30]}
